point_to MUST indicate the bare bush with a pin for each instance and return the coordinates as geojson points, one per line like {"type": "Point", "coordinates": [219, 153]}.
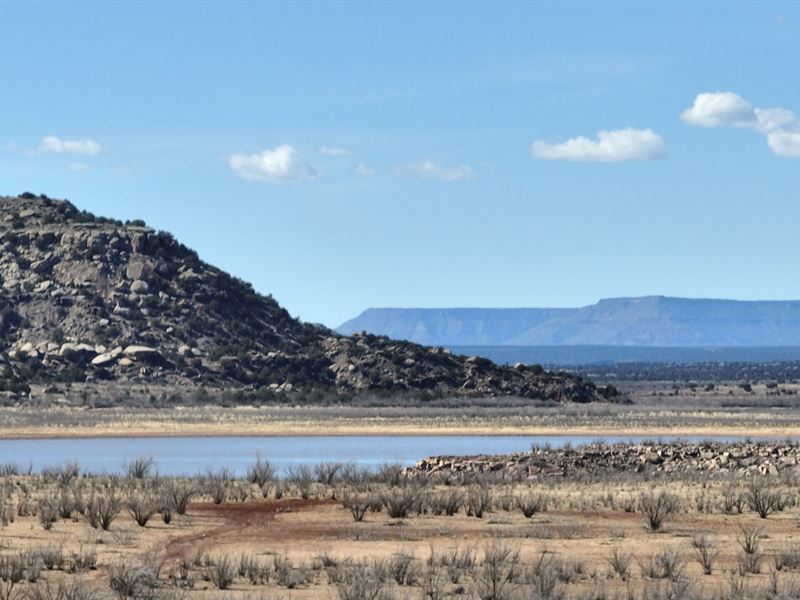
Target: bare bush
{"type": "Point", "coordinates": [545, 579]}
{"type": "Point", "coordinates": [530, 504]}
{"type": "Point", "coordinates": [657, 507]}
{"type": "Point", "coordinates": [62, 590]}
{"type": "Point", "coordinates": [261, 472]}
{"type": "Point", "coordinates": [360, 582]}
{"type": "Point", "coordinates": [141, 507]}
{"type": "Point", "coordinates": [52, 556]}
{"type": "Point", "coordinates": [449, 502]}
{"type": "Point", "coordinates": [217, 484]}
{"type": "Point", "coordinates": [131, 581]}
{"type": "Point", "coordinates": [620, 563]}
{"type": "Point", "coordinates": [705, 552]}
{"type": "Point", "coordinates": [403, 568]}
{"type": "Point", "coordinates": [497, 572]}
{"type": "Point", "coordinates": [140, 467]}
{"type": "Point", "coordinates": [392, 474]}
{"type": "Point", "coordinates": [750, 542]}
{"type": "Point", "coordinates": [479, 501]}
{"type": "Point", "coordinates": [400, 501]}
{"type": "Point", "coordinates": [221, 573]}
{"type": "Point", "coordinates": [357, 504]}
{"type": "Point", "coordinates": [102, 509]}
{"type": "Point", "coordinates": [178, 494]}
{"type": "Point", "coordinates": [48, 512]}
{"type": "Point", "coordinates": [326, 472]}
{"type": "Point", "coordinates": [761, 498]}
{"type": "Point", "coordinates": [302, 478]}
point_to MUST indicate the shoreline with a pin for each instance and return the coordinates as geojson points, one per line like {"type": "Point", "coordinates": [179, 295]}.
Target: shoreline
{"type": "Point", "coordinates": [383, 430]}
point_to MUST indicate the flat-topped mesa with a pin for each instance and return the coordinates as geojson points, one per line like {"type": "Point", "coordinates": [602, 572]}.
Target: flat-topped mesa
{"type": "Point", "coordinates": [669, 458]}
{"type": "Point", "coordinates": [84, 298]}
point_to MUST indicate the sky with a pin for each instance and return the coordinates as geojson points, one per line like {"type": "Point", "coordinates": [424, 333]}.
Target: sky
{"type": "Point", "coordinates": [346, 155]}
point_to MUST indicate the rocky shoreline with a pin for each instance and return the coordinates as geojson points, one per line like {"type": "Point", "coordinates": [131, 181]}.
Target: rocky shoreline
{"type": "Point", "coordinates": [711, 458]}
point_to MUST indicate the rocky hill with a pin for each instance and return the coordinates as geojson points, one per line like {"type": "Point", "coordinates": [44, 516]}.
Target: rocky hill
{"type": "Point", "coordinates": [84, 298]}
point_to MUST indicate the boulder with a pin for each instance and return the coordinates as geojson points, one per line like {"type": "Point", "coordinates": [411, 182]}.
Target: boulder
{"type": "Point", "coordinates": [140, 287]}
{"type": "Point", "coordinates": [139, 270]}
{"type": "Point", "coordinates": [79, 353]}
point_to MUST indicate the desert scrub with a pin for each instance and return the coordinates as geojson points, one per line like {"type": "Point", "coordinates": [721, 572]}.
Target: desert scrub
{"type": "Point", "coordinates": [357, 504]}
{"type": "Point", "coordinates": [221, 572]}
{"type": "Point", "coordinates": [657, 507]}
{"type": "Point", "coordinates": [177, 495]}
{"type": "Point", "coordinates": [530, 503]}
{"type": "Point", "coordinates": [302, 479]}
{"type": "Point", "coordinates": [399, 502]}
{"type": "Point", "coordinates": [218, 483]}
{"type": "Point", "coordinates": [131, 581]}
{"type": "Point", "coordinates": [749, 540]}
{"type": "Point", "coordinates": [706, 553]}
{"type": "Point", "coordinates": [448, 502]}
{"type": "Point", "coordinates": [478, 502]}
{"type": "Point", "coordinates": [102, 509]}
{"type": "Point", "coordinates": [494, 579]}
{"type": "Point", "coordinates": [762, 498]}
{"type": "Point", "coordinates": [140, 467]}
{"type": "Point", "coordinates": [261, 472]}
{"type": "Point", "coordinates": [48, 512]}
{"type": "Point", "coordinates": [620, 563]}
{"type": "Point", "coordinates": [361, 582]}
{"type": "Point", "coordinates": [142, 507]}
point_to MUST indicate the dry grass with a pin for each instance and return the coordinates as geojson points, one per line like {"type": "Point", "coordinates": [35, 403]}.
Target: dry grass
{"type": "Point", "coordinates": [342, 534]}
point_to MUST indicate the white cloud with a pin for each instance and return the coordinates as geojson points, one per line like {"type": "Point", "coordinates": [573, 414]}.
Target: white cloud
{"type": "Point", "coordinates": [429, 169]}
{"type": "Point", "coordinates": [364, 170]}
{"type": "Point", "coordinates": [77, 167]}
{"type": "Point", "coordinates": [10, 147]}
{"type": "Point", "coordinates": [333, 151]}
{"type": "Point", "coordinates": [87, 147]}
{"type": "Point", "coordinates": [718, 109]}
{"type": "Point", "coordinates": [281, 165]}
{"type": "Point", "coordinates": [780, 126]}
{"type": "Point", "coordinates": [785, 143]}
{"type": "Point", "coordinates": [610, 146]}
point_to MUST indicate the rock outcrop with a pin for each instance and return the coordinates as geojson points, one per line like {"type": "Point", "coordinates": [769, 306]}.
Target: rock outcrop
{"type": "Point", "coordinates": [85, 298]}
{"type": "Point", "coordinates": [712, 458]}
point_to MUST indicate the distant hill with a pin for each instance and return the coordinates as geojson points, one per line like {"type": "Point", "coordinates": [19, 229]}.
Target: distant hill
{"type": "Point", "coordinates": [651, 321]}
{"type": "Point", "coordinates": [85, 298]}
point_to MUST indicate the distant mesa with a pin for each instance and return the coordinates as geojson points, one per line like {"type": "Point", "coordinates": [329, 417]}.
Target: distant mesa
{"type": "Point", "coordinates": [650, 321]}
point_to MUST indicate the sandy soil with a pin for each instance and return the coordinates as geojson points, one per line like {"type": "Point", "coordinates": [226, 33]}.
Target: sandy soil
{"type": "Point", "coordinates": [17, 423]}
{"type": "Point", "coordinates": [304, 530]}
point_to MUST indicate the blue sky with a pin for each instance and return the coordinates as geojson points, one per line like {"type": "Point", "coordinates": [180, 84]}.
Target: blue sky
{"type": "Point", "coordinates": [348, 155]}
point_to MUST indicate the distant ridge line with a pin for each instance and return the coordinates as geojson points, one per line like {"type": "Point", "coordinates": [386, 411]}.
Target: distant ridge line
{"type": "Point", "coordinates": [647, 321]}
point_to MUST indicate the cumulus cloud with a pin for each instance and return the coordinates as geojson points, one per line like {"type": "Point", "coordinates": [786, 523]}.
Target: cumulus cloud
{"type": "Point", "coordinates": [77, 167]}
{"type": "Point", "coordinates": [719, 109]}
{"type": "Point", "coordinates": [780, 126]}
{"type": "Point", "coordinates": [53, 144]}
{"type": "Point", "coordinates": [610, 146]}
{"type": "Point", "coordinates": [333, 151]}
{"type": "Point", "coordinates": [364, 170]}
{"type": "Point", "coordinates": [281, 165]}
{"type": "Point", "coordinates": [785, 143]}
{"type": "Point", "coordinates": [429, 169]}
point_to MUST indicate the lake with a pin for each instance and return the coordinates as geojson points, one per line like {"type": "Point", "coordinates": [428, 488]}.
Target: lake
{"type": "Point", "coordinates": [191, 455]}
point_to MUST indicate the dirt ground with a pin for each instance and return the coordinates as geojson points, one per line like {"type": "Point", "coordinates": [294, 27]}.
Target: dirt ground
{"type": "Point", "coordinates": [581, 530]}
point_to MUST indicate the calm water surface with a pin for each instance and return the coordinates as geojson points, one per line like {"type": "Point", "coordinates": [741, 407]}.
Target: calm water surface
{"type": "Point", "coordinates": [189, 455]}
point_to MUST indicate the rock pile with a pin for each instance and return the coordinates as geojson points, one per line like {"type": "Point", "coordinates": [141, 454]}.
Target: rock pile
{"type": "Point", "coordinates": [85, 298]}
{"type": "Point", "coordinates": [713, 458]}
